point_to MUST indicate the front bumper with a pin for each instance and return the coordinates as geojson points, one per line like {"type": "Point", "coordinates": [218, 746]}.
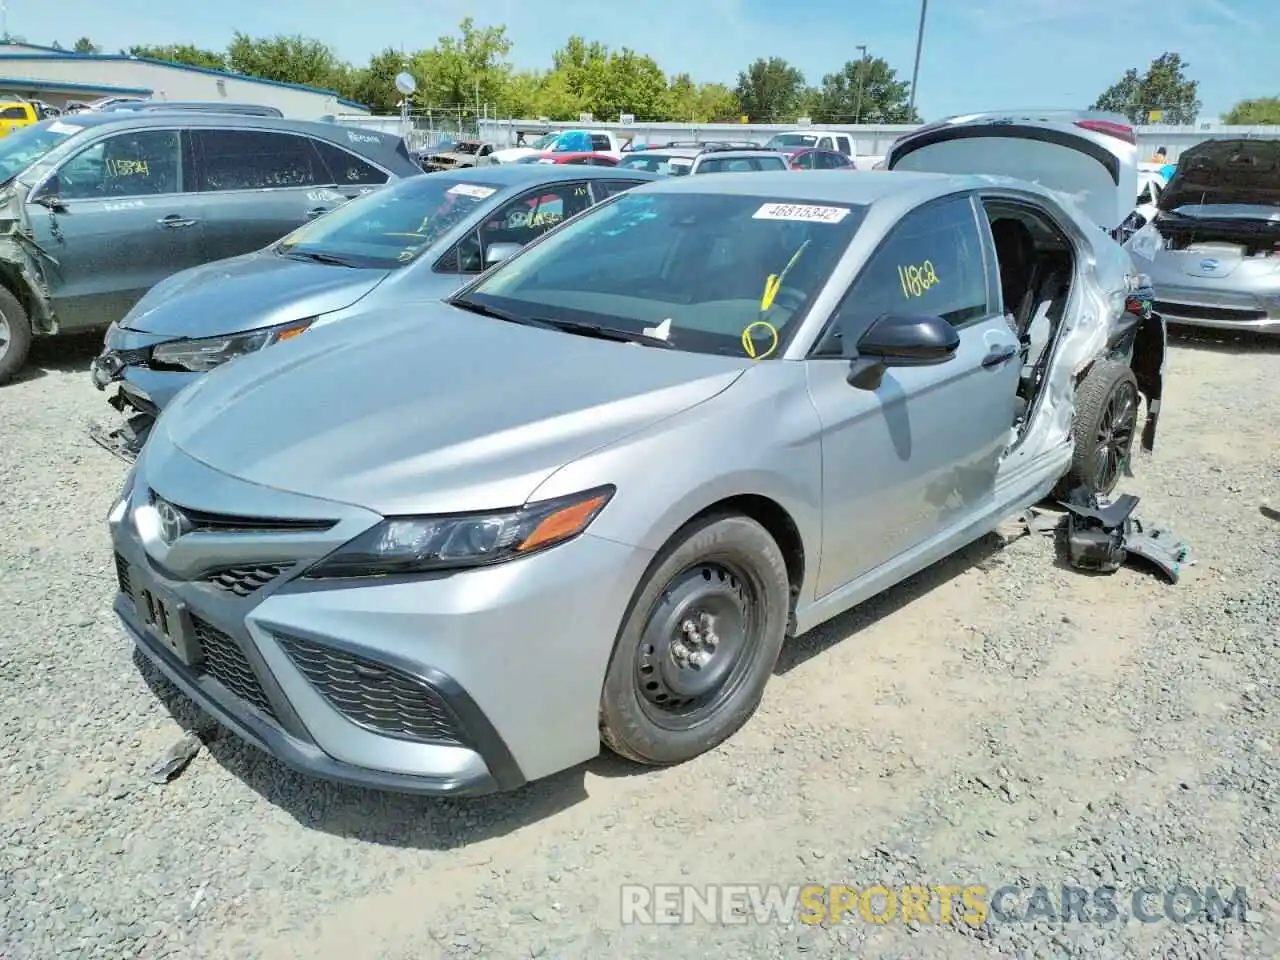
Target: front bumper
{"type": "Point", "coordinates": [446, 685]}
{"type": "Point", "coordinates": [1218, 304]}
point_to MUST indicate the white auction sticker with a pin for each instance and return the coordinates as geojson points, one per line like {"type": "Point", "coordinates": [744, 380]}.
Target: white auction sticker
{"type": "Point", "coordinates": [800, 211]}
{"type": "Point", "coordinates": [65, 128]}
{"type": "Point", "coordinates": [472, 190]}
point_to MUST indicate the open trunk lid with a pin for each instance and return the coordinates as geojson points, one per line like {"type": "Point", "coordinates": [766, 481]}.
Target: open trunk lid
{"type": "Point", "coordinates": [1226, 173]}
{"type": "Point", "coordinates": [1092, 159]}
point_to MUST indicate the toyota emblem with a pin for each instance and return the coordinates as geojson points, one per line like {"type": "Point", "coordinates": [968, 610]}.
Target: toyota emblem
{"type": "Point", "coordinates": [173, 523]}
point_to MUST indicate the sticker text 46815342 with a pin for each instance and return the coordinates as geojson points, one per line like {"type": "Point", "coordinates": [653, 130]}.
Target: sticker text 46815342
{"type": "Point", "coordinates": [802, 212]}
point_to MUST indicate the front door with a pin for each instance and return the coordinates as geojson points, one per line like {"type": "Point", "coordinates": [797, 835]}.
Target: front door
{"type": "Point", "coordinates": [124, 220]}
{"type": "Point", "coordinates": [919, 454]}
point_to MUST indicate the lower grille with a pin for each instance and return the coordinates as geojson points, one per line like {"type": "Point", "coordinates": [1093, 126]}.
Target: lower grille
{"type": "Point", "coordinates": [1193, 312]}
{"type": "Point", "coordinates": [243, 581]}
{"type": "Point", "coordinates": [376, 696]}
{"type": "Point", "coordinates": [225, 662]}
{"type": "Point", "coordinates": [122, 575]}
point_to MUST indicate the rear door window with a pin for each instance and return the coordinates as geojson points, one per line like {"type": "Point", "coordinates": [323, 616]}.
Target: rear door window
{"type": "Point", "coordinates": [345, 168]}
{"type": "Point", "coordinates": [845, 146]}
{"type": "Point", "coordinates": [826, 144]}
{"type": "Point", "coordinates": [13, 113]}
{"type": "Point", "coordinates": [256, 160]}
{"type": "Point", "coordinates": [600, 142]}
{"type": "Point", "coordinates": [142, 163]}
{"type": "Point", "coordinates": [804, 162]}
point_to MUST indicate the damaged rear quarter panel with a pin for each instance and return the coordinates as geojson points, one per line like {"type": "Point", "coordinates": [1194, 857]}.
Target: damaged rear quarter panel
{"type": "Point", "coordinates": [21, 269]}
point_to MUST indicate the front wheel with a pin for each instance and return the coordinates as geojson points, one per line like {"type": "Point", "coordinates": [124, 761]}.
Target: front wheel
{"type": "Point", "coordinates": [15, 336]}
{"type": "Point", "coordinates": [698, 644]}
{"type": "Point", "coordinates": [1105, 427]}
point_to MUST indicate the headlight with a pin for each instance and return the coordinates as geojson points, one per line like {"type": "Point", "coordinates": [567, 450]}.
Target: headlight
{"type": "Point", "coordinates": [404, 545]}
{"type": "Point", "coordinates": [1146, 243]}
{"type": "Point", "coordinates": [200, 356]}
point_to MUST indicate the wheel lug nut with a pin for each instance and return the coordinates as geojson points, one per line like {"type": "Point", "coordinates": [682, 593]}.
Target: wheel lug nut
{"type": "Point", "coordinates": [679, 651]}
{"type": "Point", "coordinates": [710, 641]}
{"type": "Point", "coordinates": [700, 658]}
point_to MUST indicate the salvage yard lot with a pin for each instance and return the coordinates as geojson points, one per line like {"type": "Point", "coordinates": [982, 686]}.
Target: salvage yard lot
{"type": "Point", "coordinates": [999, 718]}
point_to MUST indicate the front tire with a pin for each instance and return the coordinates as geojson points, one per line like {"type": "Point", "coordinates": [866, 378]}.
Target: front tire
{"type": "Point", "coordinates": [699, 643]}
{"type": "Point", "coordinates": [1105, 427]}
{"type": "Point", "coordinates": [15, 336]}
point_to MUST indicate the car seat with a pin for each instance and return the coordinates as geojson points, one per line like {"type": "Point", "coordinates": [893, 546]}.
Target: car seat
{"type": "Point", "coordinates": [1015, 253]}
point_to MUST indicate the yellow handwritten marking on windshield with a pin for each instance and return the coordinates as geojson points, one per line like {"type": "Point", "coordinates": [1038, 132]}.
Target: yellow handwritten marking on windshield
{"type": "Point", "coordinates": [774, 283]}
{"type": "Point", "coordinates": [749, 344]}
{"type": "Point", "coordinates": [918, 280]}
{"type": "Point", "coordinates": [771, 287]}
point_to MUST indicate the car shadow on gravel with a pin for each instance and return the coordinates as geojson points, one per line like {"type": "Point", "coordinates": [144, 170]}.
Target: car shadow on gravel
{"type": "Point", "coordinates": [1224, 341]}
{"type": "Point", "coordinates": [390, 819]}
{"type": "Point", "coordinates": [982, 553]}
{"type": "Point", "coordinates": [70, 354]}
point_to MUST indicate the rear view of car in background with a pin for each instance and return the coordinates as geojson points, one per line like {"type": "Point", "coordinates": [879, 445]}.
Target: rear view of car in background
{"type": "Point", "coordinates": [820, 160]}
{"type": "Point", "coordinates": [416, 240]}
{"type": "Point", "coordinates": [101, 206]}
{"type": "Point", "coordinates": [1212, 249]}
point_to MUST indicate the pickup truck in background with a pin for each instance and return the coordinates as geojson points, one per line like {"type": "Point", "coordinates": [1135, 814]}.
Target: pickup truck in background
{"type": "Point", "coordinates": [565, 141]}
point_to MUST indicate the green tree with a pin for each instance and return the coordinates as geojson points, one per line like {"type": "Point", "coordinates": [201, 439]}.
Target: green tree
{"type": "Point", "coordinates": [375, 84]}
{"type": "Point", "coordinates": [181, 53]}
{"type": "Point", "coordinates": [468, 70]}
{"type": "Point", "coordinates": [85, 45]}
{"type": "Point", "coordinates": [1164, 87]}
{"type": "Point", "coordinates": [864, 91]}
{"type": "Point", "coordinates": [699, 103]}
{"type": "Point", "coordinates": [294, 59]}
{"type": "Point", "coordinates": [771, 90]}
{"type": "Point", "coordinates": [1260, 112]}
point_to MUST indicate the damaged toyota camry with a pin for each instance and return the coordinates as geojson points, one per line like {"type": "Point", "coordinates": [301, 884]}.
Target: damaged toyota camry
{"type": "Point", "coordinates": [583, 501]}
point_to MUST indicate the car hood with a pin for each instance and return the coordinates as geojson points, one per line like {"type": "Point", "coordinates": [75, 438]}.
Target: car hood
{"type": "Point", "coordinates": [1226, 172]}
{"type": "Point", "coordinates": [430, 409]}
{"type": "Point", "coordinates": [511, 154]}
{"type": "Point", "coordinates": [247, 293]}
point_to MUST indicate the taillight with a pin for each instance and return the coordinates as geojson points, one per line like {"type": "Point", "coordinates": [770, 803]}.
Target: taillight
{"type": "Point", "coordinates": [1120, 131]}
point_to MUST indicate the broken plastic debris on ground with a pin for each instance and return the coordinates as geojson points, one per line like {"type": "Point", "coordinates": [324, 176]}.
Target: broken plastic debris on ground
{"type": "Point", "coordinates": [1101, 536]}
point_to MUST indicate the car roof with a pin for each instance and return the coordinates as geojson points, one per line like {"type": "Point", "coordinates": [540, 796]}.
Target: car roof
{"type": "Point", "coordinates": [516, 174]}
{"type": "Point", "coordinates": [817, 185]}
{"type": "Point", "coordinates": [374, 144]}
{"type": "Point", "coordinates": [741, 154]}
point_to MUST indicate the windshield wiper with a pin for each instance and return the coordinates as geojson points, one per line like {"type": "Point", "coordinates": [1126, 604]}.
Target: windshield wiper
{"type": "Point", "coordinates": [314, 257]}
{"type": "Point", "coordinates": [564, 326]}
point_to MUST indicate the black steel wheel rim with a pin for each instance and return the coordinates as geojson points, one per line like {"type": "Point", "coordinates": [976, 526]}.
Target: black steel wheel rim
{"type": "Point", "coordinates": [698, 643]}
{"type": "Point", "coordinates": [1116, 429]}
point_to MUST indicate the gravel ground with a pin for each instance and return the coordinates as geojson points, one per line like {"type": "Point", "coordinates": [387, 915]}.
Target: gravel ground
{"type": "Point", "coordinates": [1001, 719]}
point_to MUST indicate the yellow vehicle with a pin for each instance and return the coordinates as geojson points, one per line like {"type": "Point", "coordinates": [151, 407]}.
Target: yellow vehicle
{"type": "Point", "coordinates": [15, 114]}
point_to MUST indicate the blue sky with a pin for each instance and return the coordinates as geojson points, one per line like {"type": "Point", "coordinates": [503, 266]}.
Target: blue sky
{"type": "Point", "coordinates": [978, 54]}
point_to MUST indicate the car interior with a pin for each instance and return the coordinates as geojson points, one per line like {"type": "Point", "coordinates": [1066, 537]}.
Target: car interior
{"type": "Point", "coordinates": [1036, 270]}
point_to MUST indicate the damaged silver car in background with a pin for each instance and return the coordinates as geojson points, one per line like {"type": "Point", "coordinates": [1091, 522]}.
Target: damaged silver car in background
{"type": "Point", "coordinates": [1213, 248]}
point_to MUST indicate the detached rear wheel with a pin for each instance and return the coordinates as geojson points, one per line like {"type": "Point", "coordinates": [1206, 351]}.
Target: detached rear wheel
{"type": "Point", "coordinates": [1105, 427]}
{"type": "Point", "coordinates": [15, 336]}
{"type": "Point", "coordinates": [699, 643]}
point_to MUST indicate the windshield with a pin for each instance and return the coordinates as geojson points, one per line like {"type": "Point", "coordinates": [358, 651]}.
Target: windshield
{"type": "Point", "coordinates": [793, 140]}
{"type": "Point", "coordinates": [468, 146]}
{"type": "Point", "coordinates": [654, 162]}
{"type": "Point", "coordinates": [26, 145]}
{"type": "Point", "coordinates": [715, 273]}
{"type": "Point", "coordinates": [391, 227]}
{"type": "Point", "coordinates": [741, 164]}
{"type": "Point", "coordinates": [544, 141]}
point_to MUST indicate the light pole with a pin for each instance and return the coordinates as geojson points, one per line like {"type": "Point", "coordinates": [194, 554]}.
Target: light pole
{"type": "Point", "coordinates": [862, 76]}
{"type": "Point", "coordinates": [915, 74]}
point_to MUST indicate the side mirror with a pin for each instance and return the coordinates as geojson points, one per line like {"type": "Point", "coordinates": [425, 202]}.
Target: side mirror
{"type": "Point", "coordinates": [49, 195]}
{"type": "Point", "coordinates": [497, 252]}
{"type": "Point", "coordinates": [901, 340]}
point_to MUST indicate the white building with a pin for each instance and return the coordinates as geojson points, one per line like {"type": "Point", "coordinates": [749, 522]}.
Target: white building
{"type": "Point", "coordinates": [57, 76]}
